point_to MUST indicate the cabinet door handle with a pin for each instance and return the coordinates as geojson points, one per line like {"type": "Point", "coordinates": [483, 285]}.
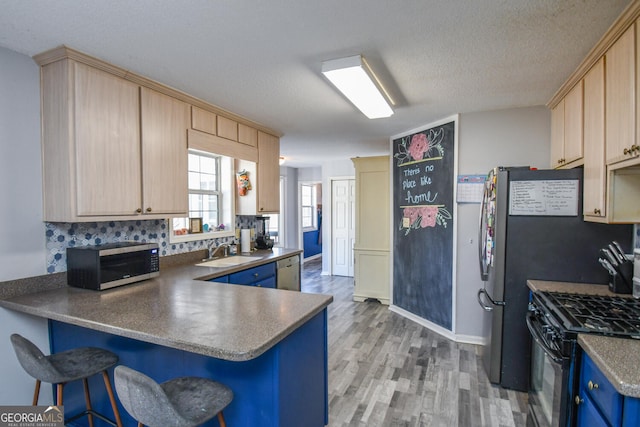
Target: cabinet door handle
{"type": "Point", "coordinates": [255, 274]}
{"type": "Point", "coordinates": [149, 209]}
{"type": "Point", "coordinates": [578, 400]}
{"type": "Point", "coordinates": [591, 385]}
{"type": "Point", "coordinates": [139, 210]}
{"type": "Point", "coordinates": [635, 147]}
{"type": "Point", "coordinates": [627, 151]}
{"type": "Point", "coordinates": [596, 211]}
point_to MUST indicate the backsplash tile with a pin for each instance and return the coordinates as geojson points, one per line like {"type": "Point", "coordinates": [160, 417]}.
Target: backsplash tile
{"type": "Point", "coordinates": [60, 236]}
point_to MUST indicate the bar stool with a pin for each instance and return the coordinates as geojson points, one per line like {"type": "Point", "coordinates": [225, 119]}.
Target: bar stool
{"type": "Point", "coordinates": [180, 402]}
{"type": "Point", "coordinates": [66, 366]}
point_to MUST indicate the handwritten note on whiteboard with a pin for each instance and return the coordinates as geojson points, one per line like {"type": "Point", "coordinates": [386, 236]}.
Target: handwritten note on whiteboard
{"type": "Point", "coordinates": [544, 198]}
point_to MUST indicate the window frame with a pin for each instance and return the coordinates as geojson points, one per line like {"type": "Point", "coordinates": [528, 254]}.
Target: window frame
{"type": "Point", "coordinates": [225, 192]}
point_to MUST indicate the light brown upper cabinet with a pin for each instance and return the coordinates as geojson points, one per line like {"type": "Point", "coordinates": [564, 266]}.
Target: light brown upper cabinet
{"type": "Point", "coordinates": [620, 99]}
{"type": "Point", "coordinates": [164, 153]}
{"type": "Point", "coordinates": [247, 135]}
{"type": "Point", "coordinates": [92, 160]}
{"type": "Point", "coordinates": [227, 128]}
{"type": "Point", "coordinates": [566, 130]}
{"type": "Point", "coordinates": [594, 201]}
{"type": "Point", "coordinates": [268, 173]}
{"type": "Point", "coordinates": [203, 120]}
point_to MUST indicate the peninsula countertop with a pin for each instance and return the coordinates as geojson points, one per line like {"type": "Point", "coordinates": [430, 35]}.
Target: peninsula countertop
{"type": "Point", "coordinates": [229, 322]}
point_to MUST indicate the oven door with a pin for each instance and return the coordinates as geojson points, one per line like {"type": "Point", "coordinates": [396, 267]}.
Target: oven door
{"type": "Point", "coordinates": [552, 381]}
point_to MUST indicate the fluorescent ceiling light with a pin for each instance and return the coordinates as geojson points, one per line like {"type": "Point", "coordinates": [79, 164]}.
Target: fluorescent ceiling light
{"type": "Point", "coordinates": [353, 77]}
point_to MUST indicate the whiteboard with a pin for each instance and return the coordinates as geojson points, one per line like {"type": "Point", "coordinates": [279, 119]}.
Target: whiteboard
{"type": "Point", "coordinates": [544, 198]}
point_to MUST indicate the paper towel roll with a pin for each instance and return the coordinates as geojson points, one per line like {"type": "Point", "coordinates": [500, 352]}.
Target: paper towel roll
{"type": "Point", "coordinates": [245, 240]}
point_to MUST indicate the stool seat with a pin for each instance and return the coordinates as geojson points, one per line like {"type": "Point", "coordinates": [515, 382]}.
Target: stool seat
{"type": "Point", "coordinates": [180, 402]}
{"type": "Point", "coordinates": [66, 366]}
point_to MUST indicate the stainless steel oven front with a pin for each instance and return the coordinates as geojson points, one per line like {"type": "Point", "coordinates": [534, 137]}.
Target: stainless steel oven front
{"type": "Point", "coordinates": [553, 381]}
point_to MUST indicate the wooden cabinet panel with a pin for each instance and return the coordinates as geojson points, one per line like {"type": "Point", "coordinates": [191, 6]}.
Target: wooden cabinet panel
{"type": "Point", "coordinates": [247, 135]}
{"type": "Point", "coordinates": [620, 76]}
{"type": "Point", "coordinates": [573, 110]}
{"type": "Point", "coordinates": [595, 182]}
{"type": "Point", "coordinates": [268, 173]}
{"type": "Point", "coordinates": [107, 146]}
{"type": "Point", "coordinates": [566, 129]}
{"type": "Point", "coordinates": [164, 153]}
{"type": "Point", "coordinates": [227, 128]}
{"type": "Point", "coordinates": [203, 120]}
{"type": "Point", "coordinates": [557, 135]}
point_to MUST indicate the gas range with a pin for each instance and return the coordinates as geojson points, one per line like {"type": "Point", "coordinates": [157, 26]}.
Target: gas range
{"type": "Point", "coordinates": [554, 320]}
{"type": "Point", "coordinates": [597, 314]}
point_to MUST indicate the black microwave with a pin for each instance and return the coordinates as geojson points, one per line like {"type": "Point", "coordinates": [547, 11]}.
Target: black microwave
{"type": "Point", "coordinates": [106, 266]}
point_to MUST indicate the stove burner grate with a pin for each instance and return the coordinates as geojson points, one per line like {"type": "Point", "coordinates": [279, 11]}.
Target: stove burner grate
{"type": "Point", "coordinates": [597, 313]}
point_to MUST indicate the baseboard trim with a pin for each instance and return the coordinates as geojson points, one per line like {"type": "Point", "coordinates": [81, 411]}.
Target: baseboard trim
{"type": "Point", "coordinates": [464, 339]}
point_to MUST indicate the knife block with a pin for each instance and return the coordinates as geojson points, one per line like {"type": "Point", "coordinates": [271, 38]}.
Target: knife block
{"type": "Point", "coordinates": [622, 283]}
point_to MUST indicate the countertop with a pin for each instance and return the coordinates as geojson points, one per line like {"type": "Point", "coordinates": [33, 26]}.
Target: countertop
{"type": "Point", "coordinates": [230, 322]}
{"type": "Point", "coordinates": [572, 288]}
{"type": "Point", "coordinates": [617, 358]}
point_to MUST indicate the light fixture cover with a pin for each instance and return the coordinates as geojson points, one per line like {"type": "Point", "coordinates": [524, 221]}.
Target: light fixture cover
{"type": "Point", "coordinates": [353, 77]}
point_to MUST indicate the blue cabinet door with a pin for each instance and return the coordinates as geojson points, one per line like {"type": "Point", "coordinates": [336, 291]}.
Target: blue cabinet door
{"type": "Point", "coordinates": [602, 393]}
{"type": "Point", "coordinates": [588, 415]}
{"type": "Point", "coordinates": [253, 275]}
{"type": "Point", "coordinates": [221, 279]}
{"type": "Point", "coordinates": [269, 282]}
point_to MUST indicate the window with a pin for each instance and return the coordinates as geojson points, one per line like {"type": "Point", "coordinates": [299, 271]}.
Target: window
{"type": "Point", "coordinates": [309, 204]}
{"type": "Point", "coordinates": [210, 199]}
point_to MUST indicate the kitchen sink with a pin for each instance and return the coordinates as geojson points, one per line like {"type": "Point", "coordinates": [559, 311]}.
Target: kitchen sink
{"type": "Point", "coordinates": [229, 261]}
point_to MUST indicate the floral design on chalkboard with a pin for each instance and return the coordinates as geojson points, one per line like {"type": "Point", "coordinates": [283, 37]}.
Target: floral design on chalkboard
{"type": "Point", "coordinates": [420, 146]}
{"type": "Point", "coordinates": [415, 217]}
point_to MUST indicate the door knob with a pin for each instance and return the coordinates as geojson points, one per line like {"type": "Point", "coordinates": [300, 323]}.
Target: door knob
{"type": "Point", "coordinates": [139, 210]}
{"type": "Point", "coordinates": [149, 209]}
{"type": "Point", "coordinates": [578, 400]}
{"type": "Point", "coordinates": [591, 385]}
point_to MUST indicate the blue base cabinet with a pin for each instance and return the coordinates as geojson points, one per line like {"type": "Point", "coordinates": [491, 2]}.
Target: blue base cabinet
{"type": "Point", "coordinates": [600, 404]}
{"type": "Point", "coordinates": [286, 386]}
{"type": "Point", "coordinates": [263, 276]}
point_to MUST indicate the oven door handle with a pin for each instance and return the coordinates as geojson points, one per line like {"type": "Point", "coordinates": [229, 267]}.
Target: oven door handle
{"type": "Point", "coordinates": [553, 354]}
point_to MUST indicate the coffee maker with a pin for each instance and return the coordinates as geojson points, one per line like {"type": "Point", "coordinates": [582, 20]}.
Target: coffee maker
{"type": "Point", "coordinates": [263, 241]}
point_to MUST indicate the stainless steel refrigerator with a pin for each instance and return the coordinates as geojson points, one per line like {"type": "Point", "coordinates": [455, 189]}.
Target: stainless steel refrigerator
{"type": "Point", "coordinates": [531, 227]}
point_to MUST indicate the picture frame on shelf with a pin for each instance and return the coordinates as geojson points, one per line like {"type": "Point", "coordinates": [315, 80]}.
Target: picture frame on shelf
{"type": "Point", "coordinates": [195, 225]}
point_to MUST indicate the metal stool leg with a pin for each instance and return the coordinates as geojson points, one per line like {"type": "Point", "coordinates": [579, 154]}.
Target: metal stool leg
{"type": "Point", "coordinates": [87, 399]}
{"type": "Point", "coordinates": [221, 419]}
{"type": "Point", "coordinates": [36, 393]}
{"type": "Point", "coordinates": [60, 388]}
{"type": "Point", "coordinates": [112, 397]}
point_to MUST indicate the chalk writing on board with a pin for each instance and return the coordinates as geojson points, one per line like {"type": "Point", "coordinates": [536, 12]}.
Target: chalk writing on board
{"type": "Point", "coordinates": [418, 157]}
{"type": "Point", "coordinates": [544, 198]}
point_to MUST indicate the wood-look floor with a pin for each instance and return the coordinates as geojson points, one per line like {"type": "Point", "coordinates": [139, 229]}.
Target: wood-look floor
{"type": "Point", "coordinates": [385, 370]}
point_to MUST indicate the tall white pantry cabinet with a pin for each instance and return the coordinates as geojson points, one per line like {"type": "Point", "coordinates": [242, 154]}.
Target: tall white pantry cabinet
{"type": "Point", "coordinates": [372, 244]}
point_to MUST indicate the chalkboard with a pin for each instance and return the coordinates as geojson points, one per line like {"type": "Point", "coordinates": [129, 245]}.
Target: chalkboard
{"type": "Point", "coordinates": [423, 207]}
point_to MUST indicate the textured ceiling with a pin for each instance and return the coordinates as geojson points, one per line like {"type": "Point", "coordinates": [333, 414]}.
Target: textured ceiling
{"type": "Point", "coordinates": [262, 59]}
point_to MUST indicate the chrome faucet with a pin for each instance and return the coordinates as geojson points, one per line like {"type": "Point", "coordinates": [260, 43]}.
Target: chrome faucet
{"type": "Point", "coordinates": [213, 251]}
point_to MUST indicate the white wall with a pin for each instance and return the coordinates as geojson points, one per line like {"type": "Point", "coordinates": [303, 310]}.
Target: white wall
{"type": "Point", "coordinates": [514, 137]}
{"type": "Point", "coordinates": [22, 235]}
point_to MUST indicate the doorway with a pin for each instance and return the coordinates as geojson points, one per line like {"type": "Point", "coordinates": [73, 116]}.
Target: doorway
{"type": "Point", "coordinates": [343, 230]}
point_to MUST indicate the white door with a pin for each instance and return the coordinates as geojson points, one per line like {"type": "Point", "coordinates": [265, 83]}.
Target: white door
{"type": "Point", "coordinates": [343, 226]}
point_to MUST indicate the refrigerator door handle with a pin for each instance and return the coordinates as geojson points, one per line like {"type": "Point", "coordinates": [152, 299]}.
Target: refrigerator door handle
{"type": "Point", "coordinates": [483, 304]}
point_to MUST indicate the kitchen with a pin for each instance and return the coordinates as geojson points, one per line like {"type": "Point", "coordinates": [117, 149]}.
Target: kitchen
{"type": "Point", "coordinates": [527, 125]}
